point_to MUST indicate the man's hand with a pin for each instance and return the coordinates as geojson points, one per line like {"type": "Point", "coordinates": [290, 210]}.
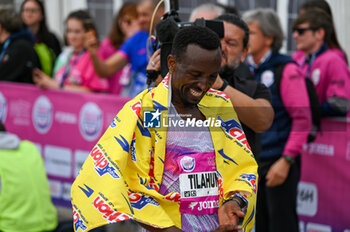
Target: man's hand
{"type": "Point", "coordinates": [91, 42]}
{"type": "Point", "coordinates": [277, 173]}
{"type": "Point", "coordinates": [218, 83]}
{"type": "Point", "coordinates": [229, 214]}
{"type": "Point", "coordinates": [44, 81]}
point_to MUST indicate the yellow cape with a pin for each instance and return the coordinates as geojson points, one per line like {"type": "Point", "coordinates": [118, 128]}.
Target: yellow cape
{"type": "Point", "coordinates": [121, 177]}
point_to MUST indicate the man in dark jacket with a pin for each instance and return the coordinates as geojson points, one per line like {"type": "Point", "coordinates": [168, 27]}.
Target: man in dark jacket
{"type": "Point", "coordinates": [17, 55]}
{"type": "Point", "coordinates": [250, 98]}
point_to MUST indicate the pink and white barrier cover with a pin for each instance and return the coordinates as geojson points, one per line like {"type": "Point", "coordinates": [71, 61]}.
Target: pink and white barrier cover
{"type": "Point", "coordinates": [66, 125]}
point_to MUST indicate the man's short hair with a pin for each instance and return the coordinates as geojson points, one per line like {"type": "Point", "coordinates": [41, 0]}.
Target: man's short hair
{"type": "Point", "coordinates": [10, 21]}
{"type": "Point", "coordinates": [196, 35]}
{"type": "Point", "coordinates": [316, 18]}
{"type": "Point", "coordinates": [269, 24]}
{"type": "Point", "coordinates": [237, 21]}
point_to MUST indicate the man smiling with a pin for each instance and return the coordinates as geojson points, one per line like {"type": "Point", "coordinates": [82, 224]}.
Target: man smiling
{"type": "Point", "coordinates": [173, 179]}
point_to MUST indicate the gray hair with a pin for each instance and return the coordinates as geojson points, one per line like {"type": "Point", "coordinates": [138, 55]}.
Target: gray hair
{"type": "Point", "coordinates": [207, 7]}
{"type": "Point", "coordinates": [269, 24]}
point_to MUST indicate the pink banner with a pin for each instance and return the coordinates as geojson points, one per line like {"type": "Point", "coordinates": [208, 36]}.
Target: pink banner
{"type": "Point", "coordinates": [323, 194]}
{"type": "Point", "coordinates": [64, 125]}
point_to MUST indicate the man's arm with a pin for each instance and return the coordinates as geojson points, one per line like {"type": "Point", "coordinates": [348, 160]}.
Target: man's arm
{"type": "Point", "coordinates": [257, 114]}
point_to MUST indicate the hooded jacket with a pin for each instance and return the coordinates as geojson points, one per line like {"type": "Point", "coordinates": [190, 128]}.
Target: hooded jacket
{"type": "Point", "coordinates": [25, 203]}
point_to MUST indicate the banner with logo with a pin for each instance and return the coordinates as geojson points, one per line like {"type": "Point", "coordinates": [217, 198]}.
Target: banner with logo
{"type": "Point", "coordinates": [64, 125]}
{"type": "Point", "coordinates": [323, 193]}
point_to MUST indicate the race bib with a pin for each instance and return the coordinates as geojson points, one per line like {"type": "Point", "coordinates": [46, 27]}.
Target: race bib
{"type": "Point", "coordinates": [198, 183]}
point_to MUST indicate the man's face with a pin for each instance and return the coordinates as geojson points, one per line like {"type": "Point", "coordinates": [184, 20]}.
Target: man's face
{"type": "Point", "coordinates": [145, 10]}
{"type": "Point", "coordinates": [194, 74]}
{"type": "Point", "coordinates": [258, 42]}
{"type": "Point", "coordinates": [232, 46]}
{"type": "Point", "coordinates": [305, 38]}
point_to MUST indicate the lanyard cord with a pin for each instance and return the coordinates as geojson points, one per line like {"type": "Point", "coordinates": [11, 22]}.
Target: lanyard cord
{"type": "Point", "coordinates": [312, 59]}
{"type": "Point", "coordinates": [4, 48]}
{"type": "Point", "coordinates": [69, 66]}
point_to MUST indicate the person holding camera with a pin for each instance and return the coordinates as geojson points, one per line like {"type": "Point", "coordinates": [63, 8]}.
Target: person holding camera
{"type": "Point", "coordinates": [171, 177]}
{"type": "Point", "coordinates": [251, 99]}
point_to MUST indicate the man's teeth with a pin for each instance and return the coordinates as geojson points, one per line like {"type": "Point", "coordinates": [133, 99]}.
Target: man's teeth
{"type": "Point", "coordinates": [195, 93]}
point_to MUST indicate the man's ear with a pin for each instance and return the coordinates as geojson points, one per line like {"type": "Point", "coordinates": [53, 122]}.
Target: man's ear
{"type": "Point", "coordinates": [244, 54]}
{"type": "Point", "coordinates": [269, 40]}
{"type": "Point", "coordinates": [171, 63]}
{"type": "Point", "coordinates": [320, 34]}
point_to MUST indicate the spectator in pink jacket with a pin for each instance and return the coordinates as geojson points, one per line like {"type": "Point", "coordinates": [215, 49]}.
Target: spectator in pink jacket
{"type": "Point", "coordinates": [332, 41]}
{"type": "Point", "coordinates": [125, 25]}
{"type": "Point", "coordinates": [73, 68]}
{"type": "Point", "coordinates": [324, 66]}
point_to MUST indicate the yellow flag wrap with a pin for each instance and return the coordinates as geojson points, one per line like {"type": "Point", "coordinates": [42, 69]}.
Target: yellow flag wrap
{"type": "Point", "coordinates": [121, 177]}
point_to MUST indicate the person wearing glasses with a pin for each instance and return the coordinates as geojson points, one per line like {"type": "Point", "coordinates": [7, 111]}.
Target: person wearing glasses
{"type": "Point", "coordinates": [327, 70]}
{"type": "Point", "coordinates": [279, 161]}
{"type": "Point", "coordinates": [332, 42]}
{"type": "Point", "coordinates": [47, 45]}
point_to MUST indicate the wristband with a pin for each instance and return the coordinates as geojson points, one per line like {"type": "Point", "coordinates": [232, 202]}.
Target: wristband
{"type": "Point", "coordinates": [289, 159]}
{"type": "Point", "coordinates": [239, 201]}
{"type": "Point", "coordinates": [224, 85]}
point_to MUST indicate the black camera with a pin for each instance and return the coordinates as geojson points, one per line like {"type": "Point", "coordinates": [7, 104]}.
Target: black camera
{"type": "Point", "coordinates": [169, 25]}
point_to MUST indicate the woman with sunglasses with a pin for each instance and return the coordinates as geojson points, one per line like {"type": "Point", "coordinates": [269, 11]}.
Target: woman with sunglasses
{"type": "Point", "coordinates": [332, 42]}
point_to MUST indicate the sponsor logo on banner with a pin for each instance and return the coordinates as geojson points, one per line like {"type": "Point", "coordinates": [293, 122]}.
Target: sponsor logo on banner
{"type": "Point", "coordinates": [3, 108]}
{"type": "Point", "coordinates": [307, 199]}
{"type": "Point", "coordinates": [188, 163]}
{"type": "Point", "coordinates": [233, 128]}
{"type": "Point", "coordinates": [66, 118]}
{"type": "Point", "coordinates": [102, 164]}
{"type": "Point", "coordinates": [313, 227]}
{"type": "Point", "coordinates": [321, 149]}
{"type": "Point", "coordinates": [139, 201]}
{"type": "Point", "coordinates": [90, 121]}
{"type": "Point", "coordinates": [42, 115]}
{"type": "Point", "coordinates": [78, 222]}
{"type": "Point", "coordinates": [108, 212]}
